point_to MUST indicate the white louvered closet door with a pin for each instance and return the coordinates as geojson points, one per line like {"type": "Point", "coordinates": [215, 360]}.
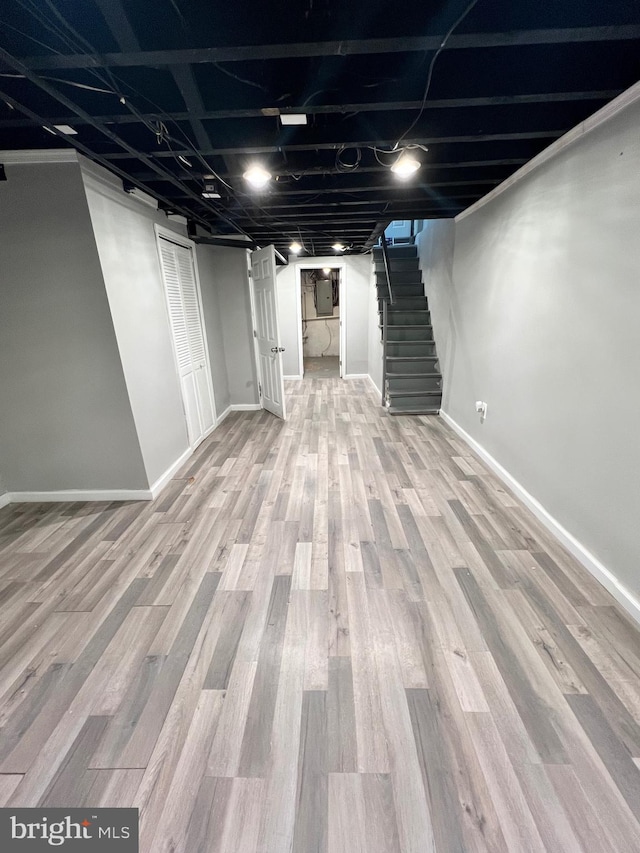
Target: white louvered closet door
{"type": "Point", "coordinates": [188, 337]}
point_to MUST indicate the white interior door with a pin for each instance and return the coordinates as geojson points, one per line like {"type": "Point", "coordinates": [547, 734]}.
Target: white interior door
{"type": "Point", "coordinates": [263, 277]}
{"type": "Point", "coordinates": [188, 337]}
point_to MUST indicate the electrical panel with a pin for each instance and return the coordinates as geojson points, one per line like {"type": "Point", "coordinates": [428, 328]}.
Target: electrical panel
{"type": "Point", "coordinates": [324, 299]}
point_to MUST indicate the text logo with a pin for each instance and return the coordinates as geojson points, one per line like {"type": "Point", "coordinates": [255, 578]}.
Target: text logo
{"type": "Point", "coordinates": [73, 830]}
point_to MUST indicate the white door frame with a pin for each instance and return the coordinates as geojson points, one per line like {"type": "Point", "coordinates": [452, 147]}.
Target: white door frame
{"type": "Point", "coordinates": [168, 234]}
{"type": "Point", "coordinates": [314, 264]}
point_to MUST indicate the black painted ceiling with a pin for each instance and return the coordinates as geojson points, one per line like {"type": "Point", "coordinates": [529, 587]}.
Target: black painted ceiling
{"type": "Point", "coordinates": [150, 85]}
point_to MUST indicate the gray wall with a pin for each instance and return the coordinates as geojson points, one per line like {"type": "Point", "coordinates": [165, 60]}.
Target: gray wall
{"type": "Point", "coordinates": [214, 326]}
{"type": "Point", "coordinates": [539, 318]}
{"type": "Point", "coordinates": [126, 240]}
{"type": "Point", "coordinates": [228, 269]}
{"type": "Point", "coordinates": [66, 420]}
{"type": "Point", "coordinates": [435, 247]}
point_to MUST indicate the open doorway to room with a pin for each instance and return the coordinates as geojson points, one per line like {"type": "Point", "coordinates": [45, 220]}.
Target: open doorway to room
{"type": "Point", "coordinates": [321, 321]}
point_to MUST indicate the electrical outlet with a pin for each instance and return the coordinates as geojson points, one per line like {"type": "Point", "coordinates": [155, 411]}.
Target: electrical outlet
{"type": "Point", "coordinates": [481, 408]}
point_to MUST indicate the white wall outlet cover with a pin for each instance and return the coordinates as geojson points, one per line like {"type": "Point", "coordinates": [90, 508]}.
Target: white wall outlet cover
{"type": "Point", "coordinates": [480, 406]}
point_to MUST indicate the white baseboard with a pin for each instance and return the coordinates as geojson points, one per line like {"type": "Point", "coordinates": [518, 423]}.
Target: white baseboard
{"type": "Point", "coordinates": [293, 376]}
{"type": "Point", "coordinates": [378, 391]}
{"type": "Point", "coordinates": [624, 596]}
{"type": "Point", "coordinates": [245, 407]}
{"type": "Point", "coordinates": [73, 495]}
{"type": "Point", "coordinates": [221, 417]}
{"type": "Point", "coordinates": [5, 499]}
{"type": "Point", "coordinates": [356, 376]}
{"type": "Point", "coordinates": [163, 479]}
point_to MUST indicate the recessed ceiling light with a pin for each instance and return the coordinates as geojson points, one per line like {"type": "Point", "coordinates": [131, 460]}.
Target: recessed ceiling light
{"type": "Point", "coordinates": [295, 247]}
{"type": "Point", "coordinates": [257, 176]}
{"type": "Point", "coordinates": [338, 247]}
{"type": "Point", "coordinates": [66, 128]}
{"type": "Point", "coordinates": [405, 166]}
{"type": "Point", "coordinates": [293, 118]}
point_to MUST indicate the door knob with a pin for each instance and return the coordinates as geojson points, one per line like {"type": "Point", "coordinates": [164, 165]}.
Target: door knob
{"type": "Point", "coordinates": [274, 349]}
{"type": "Point", "coordinates": [280, 349]}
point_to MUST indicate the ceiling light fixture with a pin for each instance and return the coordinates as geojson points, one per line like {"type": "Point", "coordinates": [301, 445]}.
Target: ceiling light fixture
{"type": "Point", "coordinates": [293, 118]}
{"type": "Point", "coordinates": [66, 128]}
{"type": "Point", "coordinates": [295, 247]}
{"type": "Point", "coordinates": [338, 247]}
{"type": "Point", "coordinates": [326, 270]}
{"type": "Point", "coordinates": [405, 166]}
{"type": "Point", "coordinates": [257, 176]}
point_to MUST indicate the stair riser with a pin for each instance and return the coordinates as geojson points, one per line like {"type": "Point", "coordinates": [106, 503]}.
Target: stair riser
{"type": "Point", "coordinates": [423, 365]}
{"type": "Point", "coordinates": [397, 252]}
{"type": "Point", "coordinates": [419, 334]}
{"type": "Point", "coordinates": [398, 278]}
{"type": "Point", "coordinates": [414, 348]}
{"type": "Point", "coordinates": [401, 264]}
{"type": "Point", "coordinates": [419, 383]}
{"type": "Point", "coordinates": [408, 318]}
{"type": "Point", "coordinates": [427, 402]}
{"type": "Point", "coordinates": [412, 292]}
{"type": "Point", "coordinates": [407, 303]}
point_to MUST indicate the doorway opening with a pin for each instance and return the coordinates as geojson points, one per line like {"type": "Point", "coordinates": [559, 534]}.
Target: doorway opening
{"type": "Point", "coordinates": [321, 321]}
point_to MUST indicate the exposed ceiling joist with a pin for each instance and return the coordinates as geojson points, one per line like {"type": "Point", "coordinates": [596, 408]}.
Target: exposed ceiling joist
{"type": "Point", "coordinates": [140, 105]}
{"type": "Point", "coordinates": [132, 152]}
{"type": "Point", "coordinates": [335, 109]}
{"type": "Point", "coordinates": [369, 143]}
{"type": "Point", "coordinates": [347, 47]}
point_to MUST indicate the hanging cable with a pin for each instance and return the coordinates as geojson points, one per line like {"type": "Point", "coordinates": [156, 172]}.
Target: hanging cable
{"type": "Point", "coordinates": [431, 67]}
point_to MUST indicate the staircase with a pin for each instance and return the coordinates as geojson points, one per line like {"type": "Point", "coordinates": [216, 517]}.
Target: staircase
{"type": "Point", "coordinates": [411, 374]}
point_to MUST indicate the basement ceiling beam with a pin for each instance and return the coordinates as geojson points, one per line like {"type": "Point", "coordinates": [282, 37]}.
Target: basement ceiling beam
{"type": "Point", "coordinates": [75, 143]}
{"type": "Point", "coordinates": [338, 109]}
{"type": "Point", "coordinates": [14, 63]}
{"type": "Point", "coordinates": [387, 188]}
{"type": "Point", "coordinates": [397, 213]}
{"type": "Point", "coordinates": [370, 143]}
{"type": "Point", "coordinates": [337, 204]}
{"type": "Point", "coordinates": [114, 14]}
{"type": "Point", "coordinates": [322, 170]}
{"type": "Point", "coordinates": [347, 47]}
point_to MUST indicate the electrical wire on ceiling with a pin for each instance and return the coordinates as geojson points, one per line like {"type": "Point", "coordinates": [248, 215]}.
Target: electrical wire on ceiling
{"type": "Point", "coordinates": [72, 40]}
{"type": "Point", "coordinates": [341, 166]}
{"type": "Point", "coordinates": [159, 124]}
{"type": "Point", "coordinates": [427, 87]}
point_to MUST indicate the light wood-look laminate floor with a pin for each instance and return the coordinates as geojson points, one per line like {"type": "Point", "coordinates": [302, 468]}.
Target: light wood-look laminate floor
{"type": "Point", "coordinates": [338, 634]}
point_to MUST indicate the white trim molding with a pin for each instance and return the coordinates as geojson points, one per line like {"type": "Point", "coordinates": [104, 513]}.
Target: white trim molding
{"type": "Point", "coordinates": [81, 495]}
{"type": "Point", "coordinates": [582, 554]}
{"type": "Point", "coordinates": [5, 499]}
{"type": "Point", "coordinates": [294, 377]}
{"type": "Point", "coordinates": [221, 417]}
{"type": "Point", "coordinates": [609, 110]}
{"type": "Point", "coordinates": [239, 407]}
{"type": "Point", "coordinates": [375, 387]}
{"type": "Point", "coordinates": [39, 155]}
{"type": "Point", "coordinates": [163, 479]}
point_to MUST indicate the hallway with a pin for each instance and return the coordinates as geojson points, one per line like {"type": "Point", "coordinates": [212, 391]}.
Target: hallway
{"type": "Point", "coordinates": [336, 634]}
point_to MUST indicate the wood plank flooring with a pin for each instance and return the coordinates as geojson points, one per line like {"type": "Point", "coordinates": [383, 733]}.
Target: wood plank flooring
{"type": "Point", "coordinates": [338, 634]}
